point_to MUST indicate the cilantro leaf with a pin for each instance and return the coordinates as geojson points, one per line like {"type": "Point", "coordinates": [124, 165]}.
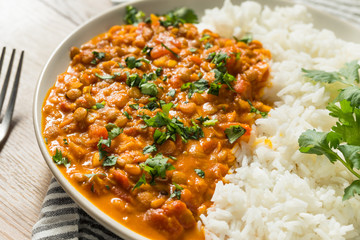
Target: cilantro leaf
{"type": "Point", "coordinates": [350, 72]}
{"type": "Point", "coordinates": [127, 115]}
{"type": "Point", "coordinates": [195, 87]}
{"type": "Point", "coordinates": [97, 55]}
{"type": "Point", "coordinates": [179, 16]}
{"type": "Point", "coordinates": [157, 167]}
{"type": "Point", "coordinates": [142, 181]}
{"type": "Point", "coordinates": [149, 149]}
{"type": "Point", "coordinates": [132, 62]}
{"type": "Point", "coordinates": [113, 130]}
{"type": "Point", "coordinates": [134, 106]}
{"type": "Point", "coordinates": [173, 53]}
{"type": "Point", "coordinates": [59, 159]}
{"type": "Point", "coordinates": [105, 77]}
{"type": "Point", "coordinates": [351, 94]}
{"type": "Point", "coordinates": [321, 76]}
{"type": "Point", "coordinates": [99, 105]}
{"type": "Point", "coordinates": [351, 190]}
{"type": "Point", "coordinates": [177, 192]}
{"type": "Point", "coordinates": [147, 50]}
{"type": "Point", "coordinates": [110, 161]}
{"type": "Point", "coordinates": [171, 93]}
{"type": "Point", "coordinates": [257, 111]}
{"type": "Point", "coordinates": [200, 172]}
{"type": "Point", "coordinates": [210, 122]}
{"type": "Point", "coordinates": [166, 107]}
{"type": "Point", "coordinates": [133, 16]}
{"type": "Point", "coordinates": [149, 89]}
{"type": "Point", "coordinates": [247, 38]}
{"type": "Point", "coordinates": [234, 132]}
{"type": "Point", "coordinates": [351, 154]}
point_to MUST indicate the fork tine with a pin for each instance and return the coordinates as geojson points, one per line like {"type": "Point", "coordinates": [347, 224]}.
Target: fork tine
{"type": "Point", "coordinates": [2, 58]}
{"type": "Point", "coordinates": [6, 81]}
{"type": "Point", "coordinates": [10, 109]}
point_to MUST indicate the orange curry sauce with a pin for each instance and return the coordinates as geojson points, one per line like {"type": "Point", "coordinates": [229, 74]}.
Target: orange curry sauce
{"type": "Point", "coordinates": [109, 122]}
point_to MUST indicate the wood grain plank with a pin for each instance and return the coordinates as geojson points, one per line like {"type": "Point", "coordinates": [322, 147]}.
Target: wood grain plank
{"type": "Point", "coordinates": [37, 27]}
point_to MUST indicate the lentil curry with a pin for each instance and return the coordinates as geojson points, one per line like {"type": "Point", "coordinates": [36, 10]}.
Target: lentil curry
{"type": "Point", "coordinates": [144, 120]}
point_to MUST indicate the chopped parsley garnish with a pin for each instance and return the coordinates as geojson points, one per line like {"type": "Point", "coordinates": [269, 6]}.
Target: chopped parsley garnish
{"type": "Point", "coordinates": [200, 172]}
{"type": "Point", "coordinates": [208, 45]}
{"type": "Point", "coordinates": [204, 37]}
{"type": "Point", "coordinates": [97, 55]}
{"type": "Point", "coordinates": [171, 93]}
{"type": "Point", "coordinates": [127, 115]}
{"type": "Point", "coordinates": [132, 62]}
{"type": "Point", "coordinates": [149, 149]}
{"type": "Point", "coordinates": [210, 122]}
{"type": "Point", "coordinates": [343, 137]}
{"type": "Point", "coordinates": [106, 76]}
{"type": "Point", "coordinates": [149, 89]}
{"type": "Point", "coordinates": [192, 50]}
{"type": "Point", "coordinates": [257, 111]}
{"type": "Point", "coordinates": [159, 71]}
{"type": "Point", "coordinates": [133, 16]}
{"type": "Point", "coordinates": [179, 16]}
{"type": "Point", "coordinates": [234, 132]}
{"type": "Point", "coordinates": [142, 181]}
{"type": "Point", "coordinates": [167, 48]}
{"type": "Point", "coordinates": [195, 87]}
{"type": "Point", "coordinates": [247, 38]}
{"type": "Point", "coordinates": [99, 105]}
{"type": "Point", "coordinates": [134, 106]}
{"type": "Point", "coordinates": [177, 192]}
{"type": "Point", "coordinates": [147, 50]}
{"type": "Point", "coordinates": [113, 131]}
{"type": "Point", "coordinates": [133, 80]}
{"type": "Point", "coordinates": [66, 141]}
{"type": "Point", "coordinates": [59, 159]}
{"type": "Point", "coordinates": [152, 106]}
{"type": "Point", "coordinates": [157, 167]}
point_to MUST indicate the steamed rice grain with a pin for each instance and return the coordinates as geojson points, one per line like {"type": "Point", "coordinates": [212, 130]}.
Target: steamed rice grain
{"type": "Point", "coordinates": [276, 192]}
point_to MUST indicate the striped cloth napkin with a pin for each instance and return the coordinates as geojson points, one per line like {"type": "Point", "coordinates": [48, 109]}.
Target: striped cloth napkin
{"type": "Point", "coordinates": [61, 218]}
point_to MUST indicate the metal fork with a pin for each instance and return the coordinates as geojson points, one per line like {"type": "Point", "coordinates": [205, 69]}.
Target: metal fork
{"type": "Point", "coordinates": [5, 123]}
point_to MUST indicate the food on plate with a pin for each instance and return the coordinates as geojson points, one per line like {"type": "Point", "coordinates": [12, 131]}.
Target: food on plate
{"type": "Point", "coordinates": [144, 120]}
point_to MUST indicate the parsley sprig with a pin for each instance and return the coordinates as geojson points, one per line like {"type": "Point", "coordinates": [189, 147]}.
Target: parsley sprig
{"type": "Point", "coordinates": [344, 137]}
{"type": "Point", "coordinates": [113, 132]}
{"type": "Point", "coordinates": [59, 159]}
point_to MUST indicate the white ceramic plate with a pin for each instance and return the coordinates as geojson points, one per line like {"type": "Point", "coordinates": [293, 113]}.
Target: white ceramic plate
{"type": "Point", "coordinates": [59, 61]}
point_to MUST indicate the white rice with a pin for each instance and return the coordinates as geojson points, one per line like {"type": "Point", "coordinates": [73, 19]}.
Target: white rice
{"type": "Point", "coordinates": [277, 192]}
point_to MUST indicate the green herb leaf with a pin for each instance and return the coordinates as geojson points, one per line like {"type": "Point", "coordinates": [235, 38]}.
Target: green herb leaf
{"type": "Point", "coordinates": [208, 45]}
{"type": "Point", "coordinates": [127, 115]}
{"type": "Point", "coordinates": [192, 50]}
{"type": "Point", "coordinates": [134, 106]}
{"type": "Point", "coordinates": [234, 132]}
{"type": "Point", "coordinates": [247, 38]}
{"type": "Point", "coordinates": [59, 159]}
{"type": "Point", "coordinates": [167, 48]}
{"type": "Point", "coordinates": [149, 89]}
{"type": "Point", "coordinates": [171, 93]}
{"type": "Point", "coordinates": [204, 37]}
{"type": "Point", "coordinates": [149, 149]}
{"type": "Point", "coordinates": [157, 167]}
{"type": "Point", "coordinates": [99, 105]}
{"type": "Point", "coordinates": [105, 77]}
{"type": "Point", "coordinates": [195, 87]}
{"type": "Point", "coordinates": [113, 130]}
{"type": "Point", "coordinates": [166, 107]}
{"type": "Point", "coordinates": [200, 173]}
{"type": "Point", "coordinates": [142, 181]}
{"type": "Point", "coordinates": [321, 76]}
{"type": "Point", "coordinates": [210, 122]}
{"type": "Point", "coordinates": [351, 190]}
{"type": "Point", "coordinates": [133, 80]}
{"type": "Point", "coordinates": [110, 161]}
{"type": "Point", "coordinates": [179, 16]}
{"type": "Point", "coordinates": [255, 110]}
{"type": "Point", "coordinates": [133, 16]}
{"type": "Point", "coordinates": [132, 62]}
{"type": "Point", "coordinates": [97, 55]}
{"type": "Point", "coordinates": [147, 50]}
{"type": "Point", "coordinates": [66, 141]}
{"type": "Point", "coordinates": [352, 94]}
{"type": "Point", "coordinates": [177, 192]}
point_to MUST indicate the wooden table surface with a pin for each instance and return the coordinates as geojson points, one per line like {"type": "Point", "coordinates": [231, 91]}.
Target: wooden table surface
{"type": "Point", "coordinates": [38, 27]}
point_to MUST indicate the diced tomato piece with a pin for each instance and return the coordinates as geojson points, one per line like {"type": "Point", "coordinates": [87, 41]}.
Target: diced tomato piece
{"type": "Point", "coordinates": [122, 179]}
{"type": "Point", "coordinates": [167, 224]}
{"type": "Point", "coordinates": [96, 131]}
{"type": "Point", "coordinates": [181, 212]}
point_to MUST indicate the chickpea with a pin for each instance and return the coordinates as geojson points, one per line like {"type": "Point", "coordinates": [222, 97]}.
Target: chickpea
{"type": "Point", "coordinates": [188, 108]}
{"type": "Point", "coordinates": [209, 109]}
{"type": "Point", "coordinates": [120, 100]}
{"type": "Point", "coordinates": [179, 177]}
{"type": "Point", "coordinates": [157, 203]}
{"type": "Point", "coordinates": [112, 114]}
{"type": "Point", "coordinates": [80, 114]}
{"type": "Point", "coordinates": [167, 147]}
{"type": "Point", "coordinates": [90, 100]}
{"type": "Point", "coordinates": [135, 92]}
{"type": "Point", "coordinates": [132, 169]}
{"type": "Point", "coordinates": [73, 94]}
{"type": "Point", "coordinates": [121, 121]}
{"type": "Point", "coordinates": [74, 51]}
{"type": "Point", "coordinates": [184, 74]}
{"type": "Point", "coordinates": [145, 198]}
